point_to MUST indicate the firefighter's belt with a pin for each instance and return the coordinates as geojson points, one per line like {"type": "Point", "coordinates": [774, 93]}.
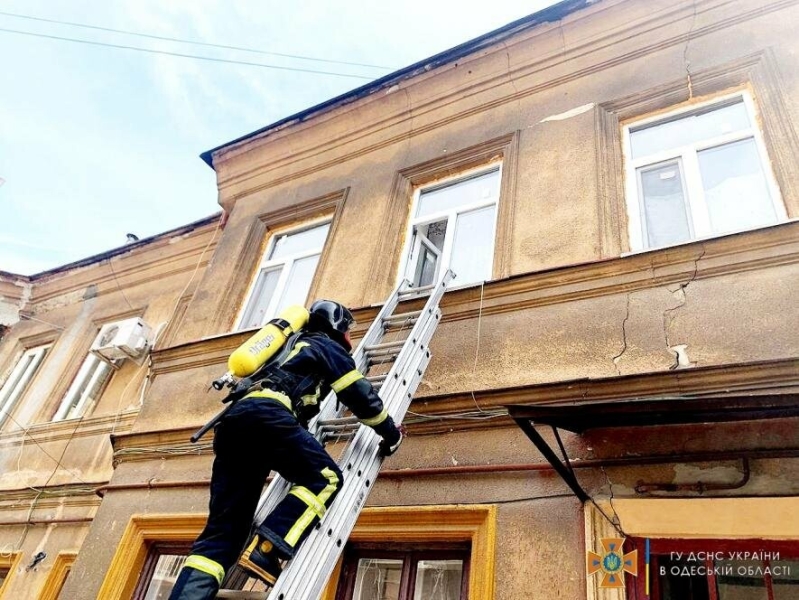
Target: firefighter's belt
{"type": "Point", "coordinates": [272, 395]}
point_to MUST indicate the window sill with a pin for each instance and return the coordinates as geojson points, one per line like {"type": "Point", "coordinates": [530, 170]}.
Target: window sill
{"type": "Point", "coordinates": [706, 238]}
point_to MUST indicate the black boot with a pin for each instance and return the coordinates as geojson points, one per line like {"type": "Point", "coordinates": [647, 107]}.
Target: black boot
{"type": "Point", "coordinates": [260, 560]}
{"type": "Point", "coordinates": [194, 585]}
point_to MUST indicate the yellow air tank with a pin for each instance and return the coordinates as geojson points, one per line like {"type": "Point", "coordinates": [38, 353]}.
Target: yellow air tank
{"type": "Point", "coordinates": [265, 342]}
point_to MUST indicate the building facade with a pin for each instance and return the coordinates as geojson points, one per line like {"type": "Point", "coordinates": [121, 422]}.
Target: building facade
{"type": "Point", "coordinates": [614, 182]}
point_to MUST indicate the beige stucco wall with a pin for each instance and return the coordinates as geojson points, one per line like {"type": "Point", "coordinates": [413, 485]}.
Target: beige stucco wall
{"type": "Point", "coordinates": [49, 471]}
{"type": "Point", "coordinates": [567, 305]}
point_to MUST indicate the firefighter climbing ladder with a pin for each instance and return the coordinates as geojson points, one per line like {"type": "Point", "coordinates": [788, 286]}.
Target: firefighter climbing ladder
{"type": "Point", "coordinates": [306, 575]}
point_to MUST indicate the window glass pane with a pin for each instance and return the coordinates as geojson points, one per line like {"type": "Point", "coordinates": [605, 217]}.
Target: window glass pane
{"type": "Point", "coordinates": [735, 187]}
{"type": "Point", "coordinates": [377, 579]}
{"type": "Point", "coordinates": [438, 580]}
{"type": "Point", "coordinates": [261, 294]}
{"type": "Point", "coordinates": [430, 246]}
{"type": "Point", "coordinates": [688, 130]}
{"type": "Point", "coordinates": [90, 387]}
{"type": "Point", "coordinates": [675, 585]}
{"type": "Point", "coordinates": [741, 585]}
{"type": "Point", "coordinates": [166, 572]}
{"type": "Point", "coordinates": [785, 579]}
{"type": "Point", "coordinates": [482, 187]}
{"type": "Point", "coordinates": [473, 247]}
{"type": "Point", "coordinates": [302, 241]}
{"type": "Point", "coordinates": [664, 205]}
{"type": "Point", "coordinates": [299, 282]}
{"type": "Point", "coordinates": [19, 378]}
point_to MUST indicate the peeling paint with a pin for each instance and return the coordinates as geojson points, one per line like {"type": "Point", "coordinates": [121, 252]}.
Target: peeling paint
{"type": "Point", "coordinates": [681, 354]}
{"type": "Point", "coordinates": [569, 113]}
{"type": "Point", "coordinates": [691, 474]}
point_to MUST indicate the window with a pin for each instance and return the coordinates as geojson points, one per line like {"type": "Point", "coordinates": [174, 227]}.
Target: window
{"type": "Point", "coordinates": [410, 574]}
{"type": "Point", "coordinates": [697, 173]}
{"type": "Point", "coordinates": [161, 569]}
{"type": "Point", "coordinates": [719, 570]}
{"type": "Point", "coordinates": [19, 378]}
{"type": "Point", "coordinates": [87, 386]}
{"type": "Point", "coordinates": [285, 275]}
{"type": "Point", "coordinates": [453, 226]}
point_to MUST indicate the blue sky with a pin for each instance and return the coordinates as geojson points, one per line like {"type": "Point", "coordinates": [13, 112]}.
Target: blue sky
{"type": "Point", "coordinates": [98, 142]}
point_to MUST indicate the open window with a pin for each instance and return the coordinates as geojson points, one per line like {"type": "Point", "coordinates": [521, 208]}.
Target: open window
{"type": "Point", "coordinates": [699, 172]}
{"type": "Point", "coordinates": [19, 378]}
{"type": "Point", "coordinates": [453, 225]}
{"type": "Point", "coordinates": [285, 274]}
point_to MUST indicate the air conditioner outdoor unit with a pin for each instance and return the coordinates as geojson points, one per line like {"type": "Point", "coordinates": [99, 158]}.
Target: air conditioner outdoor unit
{"type": "Point", "coordinates": [131, 338]}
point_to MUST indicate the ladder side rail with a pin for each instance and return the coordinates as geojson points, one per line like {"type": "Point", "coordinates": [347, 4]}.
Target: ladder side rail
{"type": "Point", "coordinates": [307, 574]}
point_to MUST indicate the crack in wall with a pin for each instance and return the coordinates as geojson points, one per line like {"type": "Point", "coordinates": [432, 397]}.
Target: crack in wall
{"type": "Point", "coordinates": [617, 358]}
{"type": "Point", "coordinates": [670, 314]}
{"type": "Point", "coordinates": [615, 521]}
{"type": "Point", "coordinates": [685, 60]}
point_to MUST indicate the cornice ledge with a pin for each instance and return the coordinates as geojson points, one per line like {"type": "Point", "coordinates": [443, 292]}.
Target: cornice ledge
{"type": "Point", "coordinates": [440, 412]}
{"type": "Point", "coordinates": [493, 80]}
{"type": "Point", "coordinates": [138, 274]}
{"type": "Point", "coordinates": [734, 253]}
{"type": "Point", "coordinates": [151, 445]}
{"type": "Point", "coordinates": [65, 430]}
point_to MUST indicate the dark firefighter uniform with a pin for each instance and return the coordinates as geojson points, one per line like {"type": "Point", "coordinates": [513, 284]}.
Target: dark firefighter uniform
{"type": "Point", "coordinates": [266, 431]}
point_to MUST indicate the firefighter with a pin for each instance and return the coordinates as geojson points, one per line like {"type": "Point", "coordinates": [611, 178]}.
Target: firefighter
{"type": "Point", "coordinates": [267, 431]}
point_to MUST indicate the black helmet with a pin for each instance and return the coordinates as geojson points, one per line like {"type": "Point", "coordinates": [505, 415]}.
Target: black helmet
{"type": "Point", "coordinates": [337, 316]}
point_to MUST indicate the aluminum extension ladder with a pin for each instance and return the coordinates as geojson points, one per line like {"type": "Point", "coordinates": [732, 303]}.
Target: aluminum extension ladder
{"type": "Point", "coordinates": [306, 575]}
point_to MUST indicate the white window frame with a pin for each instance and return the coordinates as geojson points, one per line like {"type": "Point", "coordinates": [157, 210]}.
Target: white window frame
{"type": "Point", "coordinates": [687, 157]}
{"type": "Point", "coordinates": [20, 377]}
{"type": "Point", "coordinates": [410, 250]}
{"type": "Point", "coordinates": [287, 263]}
{"type": "Point", "coordinates": [84, 392]}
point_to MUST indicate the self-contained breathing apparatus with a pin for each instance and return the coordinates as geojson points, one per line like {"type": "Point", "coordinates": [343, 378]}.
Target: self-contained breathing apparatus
{"type": "Point", "coordinates": [252, 358]}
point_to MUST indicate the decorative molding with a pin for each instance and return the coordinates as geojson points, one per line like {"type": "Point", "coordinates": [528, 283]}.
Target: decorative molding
{"type": "Point", "coordinates": [9, 561]}
{"type": "Point", "coordinates": [395, 218]}
{"type": "Point", "coordinates": [736, 253]}
{"type": "Point", "coordinates": [142, 531]}
{"type": "Point", "coordinates": [43, 433]}
{"type": "Point", "coordinates": [554, 62]}
{"type": "Point", "coordinates": [139, 271]}
{"type": "Point", "coordinates": [262, 227]}
{"type": "Point", "coordinates": [757, 72]}
{"type": "Point", "coordinates": [476, 524]}
{"type": "Point", "coordinates": [58, 575]}
{"type": "Point", "coordinates": [761, 377]}
{"type": "Point", "coordinates": [756, 377]}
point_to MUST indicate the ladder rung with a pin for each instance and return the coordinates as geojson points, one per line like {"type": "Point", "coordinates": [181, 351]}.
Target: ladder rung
{"type": "Point", "coordinates": [376, 380]}
{"type": "Point", "coordinates": [338, 437]}
{"type": "Point", "coordinates": [385, 346]}
{"type": "Point", "coordinates": [402, 318]}
{"type": "Point", "coordinates": [339, 421]}
{"type": "Point", "coordinates": [416, 290]}
{"type": "Point", "coordinates": [241, 595]}
{"type": "Point", "coordinates": [338, 428]}
{"type": "Point", "coordinates": [381, 359]}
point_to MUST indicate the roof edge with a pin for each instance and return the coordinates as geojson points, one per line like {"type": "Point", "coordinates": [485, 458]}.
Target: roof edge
{"type": "Point", "coordinates": [546, 15]}
{"type": "Point", "coordinates": [83, 262]}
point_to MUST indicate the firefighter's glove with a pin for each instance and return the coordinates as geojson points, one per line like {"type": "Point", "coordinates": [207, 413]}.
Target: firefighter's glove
{"type": "Point", "coordinates": [391, 441]}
